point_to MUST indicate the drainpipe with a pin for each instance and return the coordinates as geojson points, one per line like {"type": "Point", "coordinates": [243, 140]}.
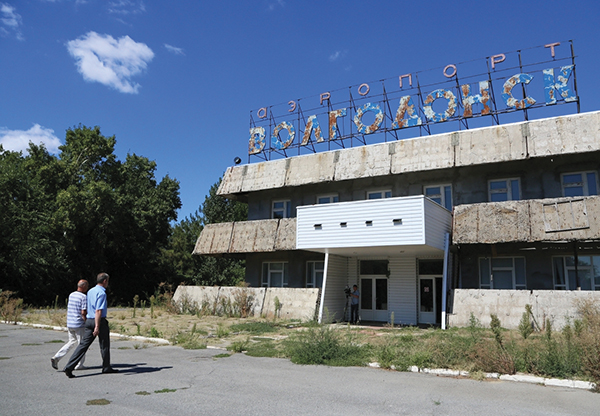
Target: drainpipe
{"type": "Point", "coordinates": [323, 288]}
{"type": "Point", "coordinates": [445, 278]}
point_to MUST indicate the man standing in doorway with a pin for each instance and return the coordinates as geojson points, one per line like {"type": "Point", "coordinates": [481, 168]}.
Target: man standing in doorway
{"type": "Point", "coordinates": [95, 325]}
{"type": "Point", "coordinates": [355, 295]}
{"type": "Point", "coordinates": [76, 313]}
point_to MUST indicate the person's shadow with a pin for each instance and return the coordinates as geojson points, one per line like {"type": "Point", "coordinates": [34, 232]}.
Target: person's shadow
{"type": "Point", "coordinates": [127, 369]}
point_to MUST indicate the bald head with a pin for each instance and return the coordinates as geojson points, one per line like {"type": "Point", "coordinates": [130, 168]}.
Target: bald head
{"type": "Point", "coordinates": [82, 285]}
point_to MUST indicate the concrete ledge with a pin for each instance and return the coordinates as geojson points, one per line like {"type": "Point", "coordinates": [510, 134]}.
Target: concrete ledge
{"type": "Point", "coordinates": [112, 334]}
{"type": "Point", "coordinates": [509, 305]}
{"type": "Point", "coordinates": [570, 134]}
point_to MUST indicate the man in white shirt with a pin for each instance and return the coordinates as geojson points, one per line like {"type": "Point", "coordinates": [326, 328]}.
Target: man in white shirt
{"type": "Point", "coordinates": [76, 313]}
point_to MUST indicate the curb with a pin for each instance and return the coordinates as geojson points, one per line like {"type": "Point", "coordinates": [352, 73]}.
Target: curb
{"type": "Point", "coordinates": [520, 378]}
{"type": "Point", "coordinates": [112, 334]}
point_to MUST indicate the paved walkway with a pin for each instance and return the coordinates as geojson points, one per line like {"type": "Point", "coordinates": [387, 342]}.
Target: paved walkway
{"type": "Point", "coordinates": [198, 383]}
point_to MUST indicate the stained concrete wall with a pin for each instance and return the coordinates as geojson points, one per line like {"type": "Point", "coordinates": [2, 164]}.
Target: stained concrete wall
{"type": "Point", "coordinates": [295, 303]}
{"type": "Point", "coordinates": [247, 237]}
{"type": "Point", "coordinates": [552, 219]}
{"type": "Point", "coordinates": [572, 134]}
{"type": "Point", "coordinates": [509, 305]}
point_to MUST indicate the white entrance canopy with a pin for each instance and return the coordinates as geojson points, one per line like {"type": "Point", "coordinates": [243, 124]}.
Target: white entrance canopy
{"type": "Point", "coordinates": [413, 225]}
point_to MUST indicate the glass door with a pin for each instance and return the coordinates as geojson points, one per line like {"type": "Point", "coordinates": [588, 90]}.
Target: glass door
{"type": "Point", "coordinates": [374, 298]}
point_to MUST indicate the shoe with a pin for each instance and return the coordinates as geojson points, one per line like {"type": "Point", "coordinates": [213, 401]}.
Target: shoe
{"type": "Point", "coordinates": [69, 373]}
{"type": "Point", "coordinates": [81, 367]}
{"type": "Point", "coordinates": [54, 363]}
{"type": "Point", "coordinates": [110, 370]}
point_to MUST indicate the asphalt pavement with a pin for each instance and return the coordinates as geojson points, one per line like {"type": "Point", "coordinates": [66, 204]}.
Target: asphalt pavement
{"type": "Point", "coordinates": [168, 380]}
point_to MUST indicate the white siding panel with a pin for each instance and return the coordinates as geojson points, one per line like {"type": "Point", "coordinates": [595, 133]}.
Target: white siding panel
{"type": "Point", "coordinates": [402, 296]}
{"type": "Point", "coordinates": [337, 278]}
{"type": "Point", "coordinates": [437, 224]}
{"type": "Point", "coordinates": [356, 233]}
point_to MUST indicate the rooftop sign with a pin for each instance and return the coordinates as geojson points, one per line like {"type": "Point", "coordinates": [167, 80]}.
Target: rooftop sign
{"type": "Point", "coordinates": [498, 84]}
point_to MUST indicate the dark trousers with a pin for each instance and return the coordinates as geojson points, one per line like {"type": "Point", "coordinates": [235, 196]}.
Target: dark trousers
{"type": "Point", "coordinates": [354, 313]}
{"type": "Point", "coordinates": [86, 341]}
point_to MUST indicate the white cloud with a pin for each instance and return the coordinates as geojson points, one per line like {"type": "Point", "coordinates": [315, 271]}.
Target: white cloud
{"type": "Point", "coordinates": [272, 6]}
{"type": "Point", "coordinates": [337, 55]}
{"type": "Point", "coordinates": [126, 7]}
{"type": "Point", "coordinates": [18, 140]}
{"type": "Point", "coordinates": [174, 49]}
{"type": "Point", "coordinates": [110, 61]}
{"type": "Point", "coordinates": [11, 21]}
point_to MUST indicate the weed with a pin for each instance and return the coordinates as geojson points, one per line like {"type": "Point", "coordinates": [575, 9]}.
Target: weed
{"type": "Point", "coordinates": [97, 402]}
{"type": "Point", "coordinates": [278, 306]}
{"type": "Point", "coordinates": [263, 348]}
{"type": "Point", "coordinates": [4, 358]}
{"type": "Point", "coordinates": [221, 331]}
{"type": "Point", "coordinates": [239, 346]}
{"type": "Point", "coordinates": [254, 328]}
{"type": "Point", "coordinates": [325, 345]}
{"type": "Point", "coordinates": [223, 355]}
{"type": "Point", "coordinates": [136, 300]}
{"type": "Point", "coordinates": [54, 341]}
{"type": "Point", "coordinates": [142, 393]}
{"type": "Point", "coordinates": [11, 308]}
{"type": "Point", "coordinates": [154, 333]}
{"type": "Point", "coordinates": [165, 391]}
{"type": "Point", "coordinates": [525, 325]}
{"type": "Point", "coordinates": [188, 341]}
{"type": "Point", "coordinates": [243, 301]}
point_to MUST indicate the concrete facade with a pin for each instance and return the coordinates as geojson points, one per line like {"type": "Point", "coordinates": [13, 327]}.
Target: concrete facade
{"type": "Point", "coordinates": [558, 306]}
{"type": "Point", "coordinates": [295, 303]}
{"type": "Point", "coordinates": [529, 242]}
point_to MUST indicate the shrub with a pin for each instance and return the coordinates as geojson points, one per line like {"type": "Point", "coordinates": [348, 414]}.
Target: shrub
{"type": "Point", "coordinates": [325, 345]}
{"type": "Point", "coordinates": [525, 326]}
{"type": "Point", "coordinates": [10, 306]}
{"type": "Point", "coordinates": [243, 301]}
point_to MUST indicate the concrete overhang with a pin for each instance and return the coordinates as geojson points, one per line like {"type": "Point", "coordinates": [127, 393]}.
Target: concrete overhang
{"type": "Point", "coordinates": [534, 220]}
{"type": "Point", "coordinates": [571, 134]}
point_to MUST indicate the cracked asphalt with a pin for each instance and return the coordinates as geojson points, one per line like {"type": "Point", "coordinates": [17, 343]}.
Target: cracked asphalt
{"type": "Point", "coordinates": [196, 382]}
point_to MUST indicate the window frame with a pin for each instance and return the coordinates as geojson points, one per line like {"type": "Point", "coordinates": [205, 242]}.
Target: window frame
{"type": "Point", "coordinates": [585, 183]}
{"type": "Point", "coordinates": [268, 270]}
{"type": "Point", "coordinates": [385, 193]}
{"type": "Point", "coordinates": [333, 198]}
{"type": "Point", "coordinates": [491, 268]}
{"type": "Point", "coordinates": [442, 194]}
{"type": "Point", "coordinates": [594, 281]}
{"type": "Point", "coordinates": [286, 209]}
{"type": "Point", "coordinates": [311, 273]}
{"type": "Point", "coordinates": [508, 190]}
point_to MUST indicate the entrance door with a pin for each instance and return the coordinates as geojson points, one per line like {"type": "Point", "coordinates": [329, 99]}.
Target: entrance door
{"type": "Point", "coordinates": [374, 298]}
{"type": "Point", "coordinates": [430, 290]}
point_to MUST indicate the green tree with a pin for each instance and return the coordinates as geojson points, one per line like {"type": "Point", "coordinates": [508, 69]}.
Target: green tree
{"type": "Point", "coordinates": [205, 270]}
{"type": "Point", "coordinates": [83, 212]}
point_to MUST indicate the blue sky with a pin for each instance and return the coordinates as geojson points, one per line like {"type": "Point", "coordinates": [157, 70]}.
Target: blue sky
{"type": "Point", "coordinates": [176, 81]}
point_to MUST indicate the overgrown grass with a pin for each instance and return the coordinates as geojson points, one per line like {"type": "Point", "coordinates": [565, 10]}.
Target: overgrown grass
{"type": "Point", "coordinates": [255, 328]}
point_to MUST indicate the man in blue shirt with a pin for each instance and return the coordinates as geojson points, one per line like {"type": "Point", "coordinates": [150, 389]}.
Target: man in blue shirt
{"type": "Point", "coordinates": [95, 325]}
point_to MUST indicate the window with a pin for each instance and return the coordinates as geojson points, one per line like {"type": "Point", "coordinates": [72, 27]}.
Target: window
{"type": "Point", "coordinates": [566, 274]}
{"type": "Point", "coordinates": [504, 190]}
{"type": "Point", "coordinates": [579, 184]}
{"type": "Point", "coordinates": [442, 194]}
{"type": "Point", "coordinates": [281, 209]}
{"type": "Point", "coordinates": [369, 267]}
{"type": "Point", "coordinates": [275, 274]}
{"type": "Point", "coordinates": [314, 273]}
{"type": "Point", "coordinates": [386, 193]}
{"type": "Point", "coordinates": [327, 199]}
{"type": "Point", "coordinates": [502, 273]}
